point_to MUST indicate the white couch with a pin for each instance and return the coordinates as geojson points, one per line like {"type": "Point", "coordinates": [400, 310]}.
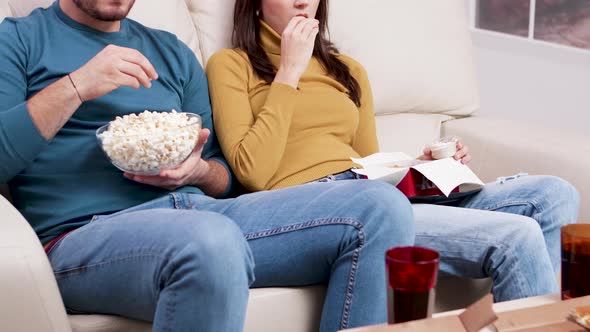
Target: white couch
{"type": "Point", "coordinates": [418, 55]}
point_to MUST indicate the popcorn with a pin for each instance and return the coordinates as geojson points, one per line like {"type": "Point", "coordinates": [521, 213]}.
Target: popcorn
{"type": "Point", "coordinates": [150, 141]}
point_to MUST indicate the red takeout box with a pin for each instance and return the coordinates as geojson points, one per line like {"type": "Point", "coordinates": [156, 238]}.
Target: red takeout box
{"type": "Point", "coordinates": [419, 178]}
{"type": "Point", "coordinates": [414, 184]}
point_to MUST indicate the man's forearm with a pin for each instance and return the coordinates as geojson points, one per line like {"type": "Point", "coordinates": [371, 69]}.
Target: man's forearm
{"type": "Point", "coordinates": [216, 181]}
{"type": "Point", "coordinates": [51, 108]}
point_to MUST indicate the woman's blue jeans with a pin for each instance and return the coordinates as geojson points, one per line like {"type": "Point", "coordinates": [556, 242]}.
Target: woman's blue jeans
{"type": "Point", "coordinates": [509, 231]}
{"type": "Point", "coordinates": [186, 261]}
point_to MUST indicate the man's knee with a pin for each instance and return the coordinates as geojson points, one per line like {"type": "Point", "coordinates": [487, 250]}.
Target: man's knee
{"type": "Point", "coordinates": [212, 248]}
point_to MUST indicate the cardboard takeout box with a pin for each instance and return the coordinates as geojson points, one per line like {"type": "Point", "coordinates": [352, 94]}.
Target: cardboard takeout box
{"type": "Point", "coordinates": [418, 178]}
{"type": "Point", "coordinates": [554, 317]}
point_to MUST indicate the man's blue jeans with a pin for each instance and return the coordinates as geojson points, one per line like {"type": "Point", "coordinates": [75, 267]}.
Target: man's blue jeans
{"type": "Point", "coordinates": [186, 261]}
{"type": "Point", "coordinates": [509, 231]}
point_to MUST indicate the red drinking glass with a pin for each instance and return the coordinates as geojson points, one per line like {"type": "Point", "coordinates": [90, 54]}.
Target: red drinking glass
{"type": "Point", "coordinates": [411, 275]}
{"type": "Point", "coordinates": [575, 261]}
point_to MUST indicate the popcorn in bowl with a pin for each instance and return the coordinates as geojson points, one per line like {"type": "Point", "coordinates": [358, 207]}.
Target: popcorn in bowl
{"type": "Point", "coordinates": [147, 143]}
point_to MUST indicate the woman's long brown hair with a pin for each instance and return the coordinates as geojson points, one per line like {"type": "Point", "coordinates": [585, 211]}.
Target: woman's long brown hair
{"type": "Point", "coordinates": [246, 37]}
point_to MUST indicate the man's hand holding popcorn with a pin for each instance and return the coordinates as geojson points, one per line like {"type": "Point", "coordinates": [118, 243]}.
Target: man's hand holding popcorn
{"type": "Point", "coordinates": [193, 171]}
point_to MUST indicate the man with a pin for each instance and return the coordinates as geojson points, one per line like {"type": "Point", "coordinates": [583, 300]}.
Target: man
{"type": "Point", "coordinates": [161, 247]}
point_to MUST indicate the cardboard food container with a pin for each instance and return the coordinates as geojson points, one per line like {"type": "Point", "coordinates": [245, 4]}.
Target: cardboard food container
{"type": "Point", "coordinates": [554, 317]}
{"type": "Point", "coordinates": [419, 178]}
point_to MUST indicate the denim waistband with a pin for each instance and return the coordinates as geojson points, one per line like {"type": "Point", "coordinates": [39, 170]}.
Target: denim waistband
{"type": "Point", "coordinates": [346, 175]}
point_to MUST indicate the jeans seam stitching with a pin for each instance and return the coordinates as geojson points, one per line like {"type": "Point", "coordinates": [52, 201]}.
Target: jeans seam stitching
{"type": "Point", "coordinates": [500, 205]}
{"type": "Point", "coordinates": [539, 208]}
{"type": "Point", "coordinates": [458, 239]}
{"type": "Point", "coordinates": [70, 271]}
{"type": "Point", "coordinates": [352, 278]}
{"type": "Point", "coordinates": [355, 255]}
{"type": "Point", "coordinates": [176, 201]}
{"type": "Point", "coordinates": [170, 311]}
{"type": "Point", "coordinates": [522, 283]}
{"type": "Point", "coordinates": [303, 225]}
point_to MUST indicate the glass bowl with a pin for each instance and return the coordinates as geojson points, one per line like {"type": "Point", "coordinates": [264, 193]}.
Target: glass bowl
{"type": "Point", "coordinates": [150, 153]}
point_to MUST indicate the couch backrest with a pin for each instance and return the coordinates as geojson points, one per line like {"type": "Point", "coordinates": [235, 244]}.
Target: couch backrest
{"type": "Point", "coordinates": [418, 52]}
{"type": "Point", "coordinates": [170, 15]}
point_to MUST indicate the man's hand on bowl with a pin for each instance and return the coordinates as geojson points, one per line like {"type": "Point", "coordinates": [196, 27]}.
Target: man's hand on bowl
{"type": "Point", "coordinates": [190, 172]}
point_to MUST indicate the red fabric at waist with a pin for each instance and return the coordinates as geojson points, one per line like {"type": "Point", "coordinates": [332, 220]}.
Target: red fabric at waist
{"type": "Point", "coordinates": [51, 243]}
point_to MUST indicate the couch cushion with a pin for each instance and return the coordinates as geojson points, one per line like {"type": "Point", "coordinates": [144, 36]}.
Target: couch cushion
{"type": "Point", "coordinates": [503, 147]}
{"type": "Point", "coordinates": [5, 11]}
{"type": "Point", "coordinates": [214, 21]}
{"type": "Point", "coordinates": [173, 17]}
{"type": "Point", "coordinates": [417, 52]}
{"type": "Point", "coordinates": [269, 309]}
{"type": "Point", "coordinates": [105, 323]}
{"type": "Point", "coordinates": [285, 309]}
{"type": "Point", "coordinates": [30, 298]}
{"type": "Point", "coordinates": [408, 132]}
{"type": "Point", "coordinates": [25, 7]}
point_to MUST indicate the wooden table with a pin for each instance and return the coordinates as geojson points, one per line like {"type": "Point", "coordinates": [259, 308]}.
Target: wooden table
{"type": "Point", "coordinates": [498, 308]}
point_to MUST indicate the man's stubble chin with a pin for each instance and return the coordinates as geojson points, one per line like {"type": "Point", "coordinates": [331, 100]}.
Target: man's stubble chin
{"type": "Point", "coordinates": [92, 9]}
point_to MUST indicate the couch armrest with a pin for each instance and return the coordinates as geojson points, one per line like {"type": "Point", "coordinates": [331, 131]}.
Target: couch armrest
{"type": "Point", "coordinates": [500, 147]}
{"type": "Point", "coordinates": [29, 296]}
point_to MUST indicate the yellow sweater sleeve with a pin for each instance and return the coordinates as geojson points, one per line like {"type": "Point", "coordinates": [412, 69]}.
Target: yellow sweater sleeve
{"type": "Point", "coordinates": [365, 140]}
{"type": "Point", "coordinates": [253, 145]}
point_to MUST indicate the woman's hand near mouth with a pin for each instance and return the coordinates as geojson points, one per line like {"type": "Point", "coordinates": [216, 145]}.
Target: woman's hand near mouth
{"type": "Point", "coordinates": [298, 40]}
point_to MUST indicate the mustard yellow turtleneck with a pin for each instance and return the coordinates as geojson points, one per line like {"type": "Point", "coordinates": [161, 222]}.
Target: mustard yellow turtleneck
{"type": "Point", "coordinates": [274, 136]}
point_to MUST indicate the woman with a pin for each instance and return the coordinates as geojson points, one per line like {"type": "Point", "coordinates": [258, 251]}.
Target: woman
{"type": "Point", "coordinates": [289, 109]}
{"type": "Point", "coordinates": [352, 300]}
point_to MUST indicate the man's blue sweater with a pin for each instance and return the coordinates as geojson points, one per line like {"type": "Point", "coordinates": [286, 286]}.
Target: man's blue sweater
{"type": "Point", "coordinates": [59, 184]}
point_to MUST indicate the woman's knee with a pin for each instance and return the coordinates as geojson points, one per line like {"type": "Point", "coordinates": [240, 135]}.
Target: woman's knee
{"type": "Point", "coordinates": [386, 211]}
{"type": "Point", "coordinates": [525, 236]}
{"type": "Point", "coordinates": [559, 197]}
{"type": "Point", "coordinates": [564, 191]}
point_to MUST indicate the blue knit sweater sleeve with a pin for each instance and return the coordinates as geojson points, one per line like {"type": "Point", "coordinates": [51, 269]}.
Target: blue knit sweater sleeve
{"type": "Point", "coordinates": [20, 140]}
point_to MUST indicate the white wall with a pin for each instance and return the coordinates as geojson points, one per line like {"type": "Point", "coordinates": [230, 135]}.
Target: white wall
{"type": "Point", "coordinates": [548, 84]}
{"type": "Point", "coordinates": [527, 79]}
